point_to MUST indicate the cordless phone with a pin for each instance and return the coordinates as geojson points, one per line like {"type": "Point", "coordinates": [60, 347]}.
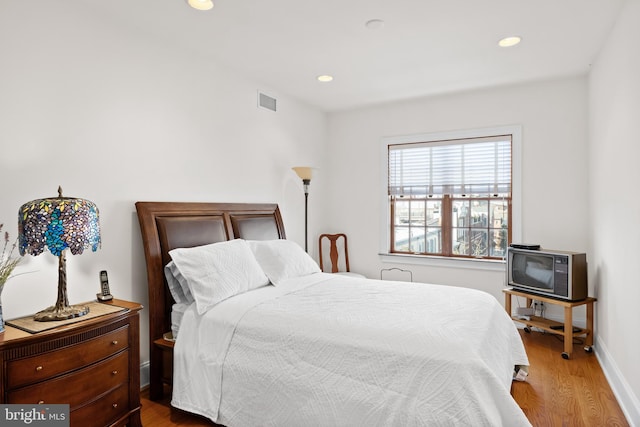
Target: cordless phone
{"type": "Point", "coordinates": [105, 294]}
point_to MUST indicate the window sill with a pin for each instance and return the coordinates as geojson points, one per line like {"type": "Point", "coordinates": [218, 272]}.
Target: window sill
{"type": "Point", "coordinates": [435, 261]}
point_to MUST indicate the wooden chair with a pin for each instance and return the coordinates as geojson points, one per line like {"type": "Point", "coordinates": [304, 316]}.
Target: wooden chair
{"type": "Point", "coordinates": [338, 254]}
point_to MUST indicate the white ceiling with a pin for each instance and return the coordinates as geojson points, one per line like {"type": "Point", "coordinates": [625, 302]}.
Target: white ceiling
{"type": "Point", "coordinates": [426, 47]}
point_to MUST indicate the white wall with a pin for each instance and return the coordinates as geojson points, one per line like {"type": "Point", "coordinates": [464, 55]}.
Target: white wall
{"type": "Point", "coordinates": [115, 117]}
{"type": "Point", "coordinates": [614, 150]}
{"type": "Point", "coordinates": [554, 168]}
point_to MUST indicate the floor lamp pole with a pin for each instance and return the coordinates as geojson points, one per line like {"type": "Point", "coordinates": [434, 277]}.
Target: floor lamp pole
{"type": "Point", "coordinates": [306, 204]}
{"type": "Point", "coordinates": [304, 172]}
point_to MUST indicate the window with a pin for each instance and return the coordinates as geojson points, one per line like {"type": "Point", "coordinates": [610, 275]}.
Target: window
{"type": "Point", "coordinates": [450, 197]}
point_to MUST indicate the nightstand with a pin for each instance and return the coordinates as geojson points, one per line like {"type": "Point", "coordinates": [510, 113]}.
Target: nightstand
{"type": "Point", "coordinates": [92, 364]}
{"type": "Point", "coordinates": [165, 345]}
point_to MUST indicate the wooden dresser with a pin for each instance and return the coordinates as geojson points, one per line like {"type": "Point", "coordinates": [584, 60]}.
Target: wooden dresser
{"type": "Point", "coordinates": [93, 365]}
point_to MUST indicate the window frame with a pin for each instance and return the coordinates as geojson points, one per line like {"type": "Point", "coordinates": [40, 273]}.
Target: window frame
{"type": "Point", "coordinates": [515, 207]}
{"type": "Point", "coordinates": [446, 227]}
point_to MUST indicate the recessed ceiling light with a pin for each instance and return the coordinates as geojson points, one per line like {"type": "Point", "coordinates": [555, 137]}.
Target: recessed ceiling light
{"type": "Point", "coordinates": [325, 78]}
{"type": "Point", "coordinates": [509, 41]}
{"type": "Point", "coordinates": [201, 4]}
{"type": "Point", "coordinates": [374, 24]}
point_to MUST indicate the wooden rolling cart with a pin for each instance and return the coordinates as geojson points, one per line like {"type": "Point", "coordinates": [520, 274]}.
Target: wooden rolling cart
{"type": "Point", "coordinates": [566, 329]}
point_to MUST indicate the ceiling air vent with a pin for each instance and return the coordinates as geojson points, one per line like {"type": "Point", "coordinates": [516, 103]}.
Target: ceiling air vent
{"type": "Point", "coordinates": [265, 101]}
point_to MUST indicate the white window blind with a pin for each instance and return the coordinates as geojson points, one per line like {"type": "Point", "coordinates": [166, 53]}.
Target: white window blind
{"type": "Point", "coordinates": [479, 166]}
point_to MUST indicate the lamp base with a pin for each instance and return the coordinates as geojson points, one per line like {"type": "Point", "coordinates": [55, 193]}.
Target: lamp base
{"type": "Point", "coordinates": [54, 313]}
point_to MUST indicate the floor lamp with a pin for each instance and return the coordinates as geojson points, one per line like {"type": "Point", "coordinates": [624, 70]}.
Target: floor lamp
{"type": "Point", "coordinates": [304, 172]}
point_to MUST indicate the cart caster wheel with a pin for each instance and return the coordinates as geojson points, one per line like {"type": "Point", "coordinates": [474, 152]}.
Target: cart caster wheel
{"type": "Point", "coordinates": [588, 349]}
{"type": "Point", "coordinates": [527, 329]}
{"type": "Point", "coordinates": [565, 355]}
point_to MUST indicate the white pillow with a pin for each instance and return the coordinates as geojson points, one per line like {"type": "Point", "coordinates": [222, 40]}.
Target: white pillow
{"type": "Point", "coordinates": [218, 271]}
{"type": "Point", "coordinates": [177, 284]}
{"type": "Point", "coordinates": [282, 259]}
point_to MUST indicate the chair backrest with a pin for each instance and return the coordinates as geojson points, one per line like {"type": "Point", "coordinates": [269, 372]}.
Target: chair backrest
{"type": "Point", "coordinates": [337, 246]}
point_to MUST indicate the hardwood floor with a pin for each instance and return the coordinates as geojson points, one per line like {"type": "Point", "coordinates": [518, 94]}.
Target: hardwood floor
{"type": "Point", "coordinates": [161, 414]}
{"type": "Point", "coordinates": [561, 392]}
{"type": "Point", "coordinates": [557, 392]}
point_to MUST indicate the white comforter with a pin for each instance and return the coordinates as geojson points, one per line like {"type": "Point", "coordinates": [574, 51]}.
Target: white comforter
{"type": "Point", "coordinates": [330, 350]}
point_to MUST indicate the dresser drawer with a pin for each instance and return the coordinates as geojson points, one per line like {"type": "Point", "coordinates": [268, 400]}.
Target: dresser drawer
{"type": "Point", "coordinates": [103, 411]}
{"type": "Point", "coordinates": [79, 387]}
{"type": "Point", "coordinates": [48, 365]}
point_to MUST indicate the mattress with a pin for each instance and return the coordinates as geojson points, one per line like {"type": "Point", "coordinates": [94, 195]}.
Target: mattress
{"type": "Point", "coordinates": [177, 312]}
{"type": "Point", "coordinates": [327, 350]}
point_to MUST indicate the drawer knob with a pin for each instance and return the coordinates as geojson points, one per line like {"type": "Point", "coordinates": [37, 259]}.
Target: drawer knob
{"type": "Point", "coordinates": [114, 342]}
{"type": "Point", "coordinates": [114, 372]}
{"type": "Point", "coordinates": [40, 402]}
{"type": "Point", "coordinates": [39, 368]}
{"type": "Point", "coordinates": [115, 405]}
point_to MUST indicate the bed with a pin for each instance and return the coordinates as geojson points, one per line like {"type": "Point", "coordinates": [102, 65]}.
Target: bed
{"type": "Point", "coordinates": [301, 347]}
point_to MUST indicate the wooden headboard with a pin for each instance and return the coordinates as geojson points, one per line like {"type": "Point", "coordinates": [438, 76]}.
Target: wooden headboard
{"type": "Point", "coordinates": [169, 225]}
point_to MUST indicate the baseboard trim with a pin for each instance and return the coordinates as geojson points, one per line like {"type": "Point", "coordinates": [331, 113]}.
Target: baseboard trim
{"type": "Point", "coordinates": [144, 375]}
{"type": "Point", "coordinates": [627, 400]}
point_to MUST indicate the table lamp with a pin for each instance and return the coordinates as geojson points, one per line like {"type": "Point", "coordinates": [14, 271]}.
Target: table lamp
{"type": "Point", "coordinates": [59, 223]}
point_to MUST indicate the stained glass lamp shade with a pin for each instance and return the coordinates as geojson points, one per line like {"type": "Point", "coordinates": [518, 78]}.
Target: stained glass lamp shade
{"type": "Point", "coordinates": [60, 224]}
